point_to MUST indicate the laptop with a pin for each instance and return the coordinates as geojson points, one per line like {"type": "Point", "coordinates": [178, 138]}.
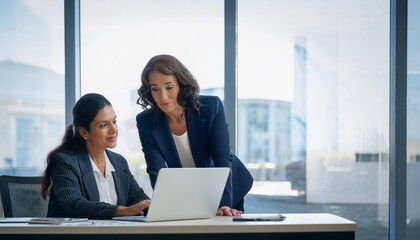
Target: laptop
{"type": "Point", "coordinates": [185, 193]}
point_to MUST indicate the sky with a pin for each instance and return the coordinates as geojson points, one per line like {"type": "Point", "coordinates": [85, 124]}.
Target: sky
{"type": "Point", "coordinates": [23, 21]}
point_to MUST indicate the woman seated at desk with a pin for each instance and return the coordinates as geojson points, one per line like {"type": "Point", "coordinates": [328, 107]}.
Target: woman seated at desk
{"type": "Point", "coordinates": [83, 178]}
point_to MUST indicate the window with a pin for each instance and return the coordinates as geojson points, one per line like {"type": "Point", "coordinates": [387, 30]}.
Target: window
{"type": "Point", "coordinates": [319, 141]}
{"type": "Point", "coordinates": [119, 37]}
{"type": "Point", "coordinates": [32, 83]}
{"type": "Point", "coordinates": [413, 116]}
{"type": "Point", "coordinates": [314, 78]}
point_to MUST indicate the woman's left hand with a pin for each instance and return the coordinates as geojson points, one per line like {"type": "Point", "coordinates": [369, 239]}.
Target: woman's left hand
{"type": "Point", "coordinates": [227, 211]}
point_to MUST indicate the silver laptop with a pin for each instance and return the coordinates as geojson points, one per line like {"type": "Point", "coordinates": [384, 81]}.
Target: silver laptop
{"type": "Point", "coordinates": [185, 193]}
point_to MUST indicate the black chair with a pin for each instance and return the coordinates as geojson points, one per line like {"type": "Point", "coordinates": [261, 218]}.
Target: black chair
{"type": "Point", "coordinates": [21, 196]}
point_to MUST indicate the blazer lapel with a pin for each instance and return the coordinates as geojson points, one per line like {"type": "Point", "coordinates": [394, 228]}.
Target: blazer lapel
{"type": "Point", "coordinates": [162, 136]}
{"type": "Point", "coordinates": [196, 134]}
{"type": "Point", "coordinates": [118, 179]}
{"type": "Point", "coordinates": [88, 178]}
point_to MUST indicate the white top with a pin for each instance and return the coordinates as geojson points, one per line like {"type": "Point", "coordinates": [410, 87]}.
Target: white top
{"type": "Point", "coordinates": [106, 186]}
{"type": "Point", "coordinates": [184, 150]}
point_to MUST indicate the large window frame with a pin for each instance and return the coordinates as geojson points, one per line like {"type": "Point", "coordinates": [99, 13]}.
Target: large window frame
{"type": "Point", "coordinates": [397, 104]}
{"type": "Point", "coordinates": [398, 120]}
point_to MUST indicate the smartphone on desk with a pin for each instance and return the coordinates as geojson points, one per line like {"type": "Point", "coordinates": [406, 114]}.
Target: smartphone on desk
{"type": "Point", "coordinates": [260, 218]}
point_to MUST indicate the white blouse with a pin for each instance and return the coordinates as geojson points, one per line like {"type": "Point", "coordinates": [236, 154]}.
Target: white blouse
{"type": "Point", "coordinates": [184, 150]}
{"type": "Point", "coordinates": [106, 186]}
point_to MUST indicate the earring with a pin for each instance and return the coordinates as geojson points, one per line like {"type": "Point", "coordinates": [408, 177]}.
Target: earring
{"type": "Point", "coordinates": [85, 138]}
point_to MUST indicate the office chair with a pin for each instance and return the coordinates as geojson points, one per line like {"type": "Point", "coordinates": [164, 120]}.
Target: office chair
{"type": "Point", "coordinates": [21, 196]}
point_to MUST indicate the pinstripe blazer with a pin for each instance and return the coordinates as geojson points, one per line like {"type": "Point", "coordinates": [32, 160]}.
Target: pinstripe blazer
{"type": "Point", "coordinates": [209, 140]}
{"type": "Point", "coordinates": [74, 192]}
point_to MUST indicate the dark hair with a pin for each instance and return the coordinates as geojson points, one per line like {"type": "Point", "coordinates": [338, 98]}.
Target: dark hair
{"type": "Point", "coordinates": [189, 89]}
{"type": "Point", "coordinates": [84, 111]}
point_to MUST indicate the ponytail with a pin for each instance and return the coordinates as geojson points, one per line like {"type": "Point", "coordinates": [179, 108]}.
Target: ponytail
{"type": "Point", "coordinates": [84, 112]}
{"type": "Point", "coordinates": [72, 141]}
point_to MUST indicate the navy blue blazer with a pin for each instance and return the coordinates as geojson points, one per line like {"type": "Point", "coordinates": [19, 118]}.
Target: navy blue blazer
{"type": "Point", "coordinates": [74, 192]}
{"type": "Point", "coordinates": [209, 140]}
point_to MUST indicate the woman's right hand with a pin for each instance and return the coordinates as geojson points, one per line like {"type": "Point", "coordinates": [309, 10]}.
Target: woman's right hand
{"type": "Point", "coordinates": [138, 209]}
{"type": "Point", "coordinates": [227, 211]}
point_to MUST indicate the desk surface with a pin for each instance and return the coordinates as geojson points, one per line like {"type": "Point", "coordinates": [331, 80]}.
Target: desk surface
{"type": "Point", "coordinates": [320, 222]}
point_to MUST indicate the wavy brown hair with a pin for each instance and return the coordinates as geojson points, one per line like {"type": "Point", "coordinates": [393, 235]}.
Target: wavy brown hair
{"type": "Point", "coordinates": [189, 89]}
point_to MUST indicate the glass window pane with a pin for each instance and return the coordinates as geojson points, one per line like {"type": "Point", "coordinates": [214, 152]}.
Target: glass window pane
{"type": "Point", "coordinates": [413, 116]}
{"type": "Point", "coordinates": [31, 83]}
{"type": "Point", "coordinates": [119, 37]}
{"type": "Point", "coordinates": [316, 74]}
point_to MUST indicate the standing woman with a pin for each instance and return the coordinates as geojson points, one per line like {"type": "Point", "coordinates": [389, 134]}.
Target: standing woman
{"type": "Point", "coordinates": [83, 178]}
{"type": "Point", "coordinates": [180, 128]}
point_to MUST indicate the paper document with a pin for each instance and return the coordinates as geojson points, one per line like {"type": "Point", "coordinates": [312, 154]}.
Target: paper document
{"type": "Point", "coordinates": [52, 220]}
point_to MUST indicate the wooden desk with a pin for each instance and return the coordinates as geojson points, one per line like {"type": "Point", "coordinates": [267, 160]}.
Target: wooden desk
{"type": "Point", "coordinates": [295, 226]}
